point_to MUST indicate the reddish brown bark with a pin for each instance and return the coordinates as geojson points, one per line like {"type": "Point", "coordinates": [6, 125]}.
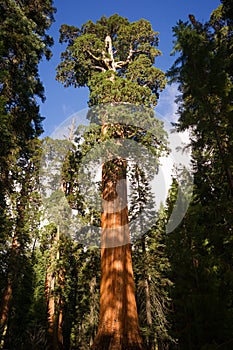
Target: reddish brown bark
{"type": "Point", "coordinates": [60, 307]}
{"type": "Point", "coordinates": [59, 324]}
{"type": "Point", "coordinates": [7, 294]}
{"type": "Point", "coordinates": [49, 290]}
{"type": "Point", "coordinates": [54, 303]}
{"type": "Point", "coordinates": [55, 313]}
{"type": "Point", "coordinates": [5, 308]}
{"type": "Point", "coordinates": [118, 325]}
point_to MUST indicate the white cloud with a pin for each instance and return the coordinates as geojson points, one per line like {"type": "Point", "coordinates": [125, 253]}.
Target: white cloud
{"type": "Point", "coordinates": [167, 106]}
{"type": "Point", "coordinates": [167, 112]}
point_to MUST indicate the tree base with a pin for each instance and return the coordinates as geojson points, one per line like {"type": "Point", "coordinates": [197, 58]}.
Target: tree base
{"type": "Point", "coordinates": [114, 342]}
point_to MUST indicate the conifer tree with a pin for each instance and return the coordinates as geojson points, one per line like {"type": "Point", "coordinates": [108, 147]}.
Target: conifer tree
{"type": "Point", "coordinates": [23, 41]}
{"type": "Point", "coordinates": [151, 263]}
{"type": "Point", "coordinates": [199, 247]}
{"type": "Point", "coordinates": [57, 242]}
{"type": "Point", "coordinates": [114, 58]}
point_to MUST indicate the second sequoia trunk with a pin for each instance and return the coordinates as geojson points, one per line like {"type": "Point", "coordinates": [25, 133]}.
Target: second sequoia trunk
{"type": "Point", "coordinates": [118, 325]}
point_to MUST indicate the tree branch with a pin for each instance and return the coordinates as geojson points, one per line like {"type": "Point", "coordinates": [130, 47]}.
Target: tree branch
{"type": "Point", "coordinates": [93, 56]}
{"type": "Point", "coordinates": [128, 60]}
{"type": "Point", "coordinates": [101, 68]}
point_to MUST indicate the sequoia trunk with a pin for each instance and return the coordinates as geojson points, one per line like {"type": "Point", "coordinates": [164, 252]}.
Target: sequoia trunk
{"type": "Point", "coordinates": [8, 292]}
{"type": "Point", "coordinates": [54, 302]}
{"type": "Point", "coordinates": [4, 311]}
{"type": "Point", "coordinates": [118, 325]}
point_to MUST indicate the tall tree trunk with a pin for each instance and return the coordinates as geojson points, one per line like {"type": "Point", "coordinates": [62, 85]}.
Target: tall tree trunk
{"type": "Point", "coordinates": [118, 325]}
{"type": "Point", "coordinates": [60, 307]}
{"type": "Point", "coordinates": [4, 311]}
{"type": "Point", "coordinates": [54, 303]}
{"type": "Point", "coordinates": [225, 164]}
{"type": "Point", "coordinates": [8, 292]}
{"type": "Point", "coordinates": [150, 339]}
{"type": "Point", "coordinates": [60, 322]}
{"type": "Point", "coordinates": [93, 309]}
{"type": "Point", "coordinates": [49, 291]}
{"type": "Point", "coordinates": [149, 321]}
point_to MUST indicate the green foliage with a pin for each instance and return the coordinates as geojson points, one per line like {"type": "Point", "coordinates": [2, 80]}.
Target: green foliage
{"type": "Point", "coordinates": [23, 42]}
{"type": "Point", "coordinates": [227, 10]}
{"type": "Point", "coordinates": [151, 268]}
{"type": "Point", "coordinates": [86, 314]}
{"type": "Point", "coordinates": [201, 265]}
{"type": "Point", "coordinates": [114, 58]}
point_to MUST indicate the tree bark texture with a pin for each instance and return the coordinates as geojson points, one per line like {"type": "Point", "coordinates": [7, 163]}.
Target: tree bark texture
{"type": "Point", "coordinates": [118, 325]}
{"type": "Point", "coordinates": [8, 291]}
{"type": "Point", "coordinates": [150, 336]}
{"type": "Point", "coordinates": [4, 311]}
{"type": "Point", "coordinates": [49, 292]}
{"type": "Point", "coordinates": [54, 302]}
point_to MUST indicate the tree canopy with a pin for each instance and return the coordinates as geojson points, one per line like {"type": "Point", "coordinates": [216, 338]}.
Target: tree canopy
{"type": "Point", "coordinates": [114, 58]}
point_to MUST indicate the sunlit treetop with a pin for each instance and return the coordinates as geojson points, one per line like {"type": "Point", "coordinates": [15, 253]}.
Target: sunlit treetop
{"type": "Point", "coordinates": [114, 58]}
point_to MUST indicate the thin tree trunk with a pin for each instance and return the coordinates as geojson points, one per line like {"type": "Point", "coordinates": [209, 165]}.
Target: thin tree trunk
{"type": "Point", "coordinates": [227, 169]}
{"type": "Point", "coordinates": [60, 303]}
{"type": "Point", "coordinates": [49, 291]}
{"type": "Point", "coordinates": [93, 309]}
{"type": "Point", "coordinates": [59, 323]}
{"type": "Point", "coordinates": [150, 337]}
{"type": "Point", "coordinates": [5, 308]}
{"type": "Point", "coordinates": [148, 313]}
{"type": "Point", "coordinates": [7, 294]}
{"type": "Point", "coordinates": [54, 304]}
{"type": "Point", "coordinates": [118, 325]}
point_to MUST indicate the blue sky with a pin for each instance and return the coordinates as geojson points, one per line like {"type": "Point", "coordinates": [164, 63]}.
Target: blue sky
{"type": "Point", "coordinates": [62, 102]}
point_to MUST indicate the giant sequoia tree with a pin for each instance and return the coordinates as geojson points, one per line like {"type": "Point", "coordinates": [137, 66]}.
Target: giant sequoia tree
{"type": "Point", "coordinates": [23, 42]}
{"type": "Point", "coordinates": [115, 58]}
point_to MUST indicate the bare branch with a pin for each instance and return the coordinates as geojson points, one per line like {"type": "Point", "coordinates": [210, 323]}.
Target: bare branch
{"type": "Point", "coordinates": [108, 46]}
{"type": "Point", "coordinates": [121, 64]}
{"type": "Point", "coordinates": [130, 55]}
{"type": "Point", "coordinates": [93, 56]}
{"type": "Point", "coordinates": [101, 68]}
